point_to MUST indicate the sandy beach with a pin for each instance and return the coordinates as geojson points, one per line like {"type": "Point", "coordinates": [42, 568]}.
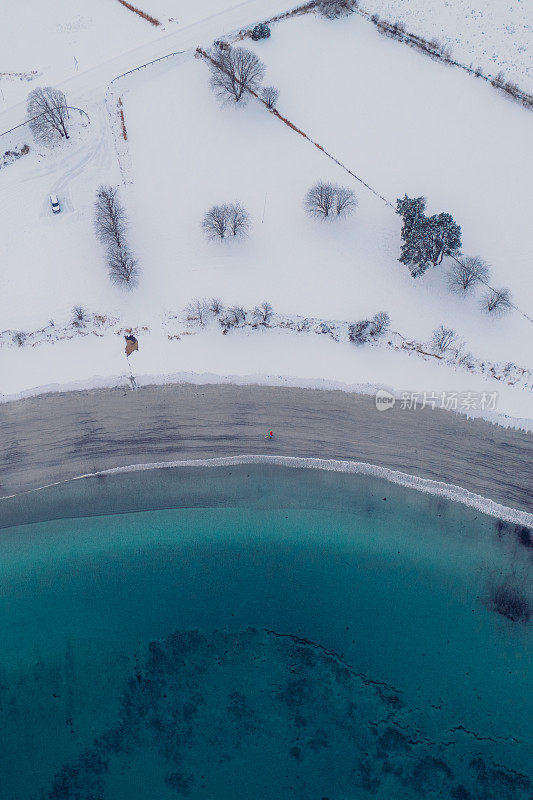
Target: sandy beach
{"type": "Point", "coordinates": [58, 436]}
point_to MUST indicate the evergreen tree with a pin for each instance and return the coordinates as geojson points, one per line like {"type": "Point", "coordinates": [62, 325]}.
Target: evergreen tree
{"type": "Point", "coordinates": [411, 209]}
{"type": "Point", "coordinates": [425, 240]}
{"type": "Point", "coordinates": [444, 237]}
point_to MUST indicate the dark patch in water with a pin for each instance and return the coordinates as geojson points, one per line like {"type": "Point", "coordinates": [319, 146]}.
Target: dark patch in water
{"type": "Point", "coordinates": [522, 534]}
{"type": "Point", "coordinates": [511, 603]}
{"type": "Point", "coordinates": [200, 709]}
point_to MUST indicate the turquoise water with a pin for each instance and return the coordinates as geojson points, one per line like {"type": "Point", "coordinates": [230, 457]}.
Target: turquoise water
{"type": "Point", "coordinates": [261, 632]}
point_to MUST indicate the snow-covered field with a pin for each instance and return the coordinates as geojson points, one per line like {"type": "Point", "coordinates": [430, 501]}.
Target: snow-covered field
{"type": "Point", "coordinates": [493, 34]}
{"type": "Point", "coordinates": [401, 121]}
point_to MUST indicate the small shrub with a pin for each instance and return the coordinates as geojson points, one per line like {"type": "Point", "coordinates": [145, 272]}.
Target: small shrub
{"type": "Point", "coordinates": [478, 72]}
{"type": "Point", "coordinates": [79, 317]}
{"type": "Point", "coordinates": [261, 31]}
{"type": "Point", "coordinates": [19, 338]}
{"type": "Point", "coordinates": [511, 88]}
{"type": "Point", "coordinates": [397, 29]}
{"type": "Point", "coordinates": [375, 18]}
{"type": "Point", "coordinates": [496, 301]}
{"type": "Point", "coordinates": [380, 323]}
{"type": "Point", "coordinates": [197, 311]}
{"type": "Point", "coordinates": [360, 332]}
{"type": "Point", "coordinates": [269, 95]}
{"type": "Point", "coordinates": [216, 306]}
{"type": "Point", "coordinates": [263, 314]}
{"type": "Point", "coordinates": [234, 317]}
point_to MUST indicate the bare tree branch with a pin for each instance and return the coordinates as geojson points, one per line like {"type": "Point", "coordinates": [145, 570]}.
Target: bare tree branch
{"type": "Point", "coordinates": [234, 72]}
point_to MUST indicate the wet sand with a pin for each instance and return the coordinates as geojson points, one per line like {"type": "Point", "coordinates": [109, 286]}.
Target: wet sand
{"type": "Point", "coordinates": [57, 436]}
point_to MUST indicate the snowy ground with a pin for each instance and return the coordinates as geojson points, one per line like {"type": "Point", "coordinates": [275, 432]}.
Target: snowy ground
{"type": "Point", "coordinates": [493, 34]}
{"type": "Point", "coordinates": [346, 86]}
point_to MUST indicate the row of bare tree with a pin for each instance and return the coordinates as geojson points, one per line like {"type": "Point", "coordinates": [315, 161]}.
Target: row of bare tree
{"type": "Point", "coordinates": [111, 225]}
{"type": "Point", "coordinates": [322, 201]}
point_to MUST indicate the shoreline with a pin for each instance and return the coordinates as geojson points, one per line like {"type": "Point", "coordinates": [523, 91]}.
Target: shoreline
{"type": "Point", "coordinates": [456, 494]}
{"type": "Point", "coordinates": [51, 439]}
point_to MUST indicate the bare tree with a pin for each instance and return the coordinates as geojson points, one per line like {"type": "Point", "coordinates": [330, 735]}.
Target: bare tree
{"type": "Point", "coordinates": [496, 301]}
{"type": "Point", "coordinates": [336, 8]}
{"type": "Point", "coordinates": [467, 271]}
{"type": "Point", "coordinates": [48, 112]}
{"type": "Point", "coordinates": [380, 323]}
{"type": "Point", "coordinates": [442, 338]}
{"type": "Point", "coordinates": [263, 313]}
{"type": "Point", "coordinates": [197, 311]}
{"type": "Point", "coordinates": [345, 201]}
{"type": "Point", "coordinates": [215, 222]}
{"type": "Point", "coordinates": [238, 219]}
{"type": "Point", "coordinates": [269, 95]}
{"type": "Point", "coordinates": [123, 267]}
{"type": "Point", "coordinates": [110, 219]}
{"type": "Point", "coordinates": [320, 200]}
{"type": "Point", "coordinates": [235, 71]}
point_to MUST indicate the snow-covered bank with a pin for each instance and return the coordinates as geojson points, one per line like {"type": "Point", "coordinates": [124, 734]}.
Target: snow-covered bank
{"type": "Point", "coordinates": [245, 356]}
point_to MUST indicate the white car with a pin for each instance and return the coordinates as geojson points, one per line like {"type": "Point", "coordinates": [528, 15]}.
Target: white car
{"type": "Point", "coordinates": [54, 202]}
